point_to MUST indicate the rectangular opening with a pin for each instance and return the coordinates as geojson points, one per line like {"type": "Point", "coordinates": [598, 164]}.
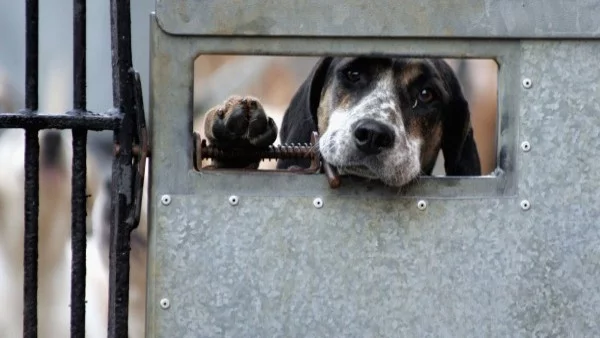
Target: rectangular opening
{"type": "Point", "coordinates": [274, 80]}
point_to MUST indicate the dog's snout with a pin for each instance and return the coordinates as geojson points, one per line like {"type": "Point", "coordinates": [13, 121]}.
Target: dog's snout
{"type": "Point", "coordinates": [371, 136]}
{"type": "Point", "coordinates": [51, 148]}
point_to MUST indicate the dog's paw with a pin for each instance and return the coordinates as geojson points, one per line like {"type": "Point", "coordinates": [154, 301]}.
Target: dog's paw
{"type": "Point", "coordinates": [240, 123]}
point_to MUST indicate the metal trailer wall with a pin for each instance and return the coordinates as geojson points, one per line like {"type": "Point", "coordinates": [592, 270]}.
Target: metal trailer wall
{"type": "Point", "coordinates": [514, 254]}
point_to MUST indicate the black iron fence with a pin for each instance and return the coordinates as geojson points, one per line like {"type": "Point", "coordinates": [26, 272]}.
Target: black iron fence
{"type": "Point", "coordinates": [126, 119]}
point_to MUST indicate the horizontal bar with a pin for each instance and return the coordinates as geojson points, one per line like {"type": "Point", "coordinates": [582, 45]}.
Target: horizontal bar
{"type": "Point", "coordinates": [71, 120]}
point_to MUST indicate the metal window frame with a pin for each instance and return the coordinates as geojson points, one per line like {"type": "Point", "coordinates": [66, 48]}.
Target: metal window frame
{"type": "Point", "coordinates": [171, 95]}
{"type": "Point", "coordinates": [124, 121]}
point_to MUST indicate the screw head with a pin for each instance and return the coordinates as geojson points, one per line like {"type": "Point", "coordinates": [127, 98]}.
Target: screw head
{"type": "Point", "coordinates": [234, 200]}
{"type": "Point", "coordinates": [525, 146]}
{"type": "Point", "coordinates": [422, 205]}
{"type": "Point", "coordinates": [165, 199]}
{"type": "Point", "coordinates": [525, 205]}
{"type": "Point", "coordinates": [165, 303]}
{"type": "Point", "coordinates": [527, 83]}
{"type": "Point", "coordinates": [318, 203]}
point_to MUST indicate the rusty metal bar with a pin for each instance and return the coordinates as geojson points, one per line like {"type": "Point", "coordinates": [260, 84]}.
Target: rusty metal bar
{"type": "Point", "coordinates": [202, 151]}
{"type": "Point", "coordinates": [87, 120]}
{"type": "Point", "coordinates": [32, 151]}
{"type": "Point", "coordinates": [79, 173]}
{"type": "Point", "coordinates": [122, 171]}
{"type": "Point", "coordinates": [30, 258]}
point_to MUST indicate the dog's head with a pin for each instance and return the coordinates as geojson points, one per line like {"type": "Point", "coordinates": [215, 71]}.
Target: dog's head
{"type": "Point", "coordinates": [385, 118]}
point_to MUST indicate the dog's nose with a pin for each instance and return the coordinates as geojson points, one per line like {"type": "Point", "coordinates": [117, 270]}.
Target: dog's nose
{"type": "Point", "coordinates": [371, 137]}
{"type": "Point", "coordinates": [51, 148]}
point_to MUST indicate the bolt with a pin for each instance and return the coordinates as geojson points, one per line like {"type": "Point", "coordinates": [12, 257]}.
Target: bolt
{"type": "Point", "coordinates": [164, 303]}
{"type": "Point", "coordinates": [525, 205]}
{"type": "Point", "coordinates": [165, 199]}
{"type": "Point", "coordinates": [525, 146]}
{"type": "Point", "coordinates": [318, 203]}
{"type": "Point", "coordinates": [527, 83]}
{"type": "Point", "coordinates": [234, 200]}
{"type": "Point", "coordinates": [422, 205]}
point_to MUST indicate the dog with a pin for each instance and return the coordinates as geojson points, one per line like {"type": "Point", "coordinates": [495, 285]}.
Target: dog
{"type": "Point", "coordinates": [378, 118]}
{"type": "Point", "coordinates": [54, 224]}
{"type": "Point", "coordinates": [98, 267]}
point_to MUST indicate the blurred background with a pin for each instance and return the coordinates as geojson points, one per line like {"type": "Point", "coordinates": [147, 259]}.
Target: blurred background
{"type": "Point", "coordinates": [272, 79]}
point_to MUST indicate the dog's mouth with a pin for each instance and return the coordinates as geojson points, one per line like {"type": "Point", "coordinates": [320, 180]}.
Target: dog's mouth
{"type": "Point", "coordinates": [374, 172]}
{"type": "Point", "coordinates": [357, 170]}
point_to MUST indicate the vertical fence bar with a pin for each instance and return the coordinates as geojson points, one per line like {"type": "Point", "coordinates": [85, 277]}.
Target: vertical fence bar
{"type": "Point", "coordinates": [122, 173]}
{"type": "Point", "coordinates": [78, 233]}
{"type": "Point", "coordinates": [79, 54]}
{"type": "Point", "coordinates": [78, 179]}
{"type": "Point", "coordinates": [31, 54]}
{"type": "Point", "coordinates": [32, 151]}
{"type": "Point", "coordinates": [30, 258]}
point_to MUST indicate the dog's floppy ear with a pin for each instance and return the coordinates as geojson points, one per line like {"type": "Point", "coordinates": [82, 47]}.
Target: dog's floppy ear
{"type": "Point", "coordinates": [300, 118]}
{"type": "Point", "coordinates": [458, 144]}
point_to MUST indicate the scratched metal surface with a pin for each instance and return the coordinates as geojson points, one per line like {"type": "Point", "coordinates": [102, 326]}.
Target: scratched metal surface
{"type": "Point", "coordinates": [369, 263]}
{"type": "Point", "coordinates": [461, 18]}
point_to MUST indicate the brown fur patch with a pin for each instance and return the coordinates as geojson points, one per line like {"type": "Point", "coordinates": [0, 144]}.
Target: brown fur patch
{"type": "Point", "coordinates": [345, 100]}
{"type": "Point", "coordinates": [341, 100]}
{"type": "Point", "coordinates": [431, 137]}
{"type": "Point", "coordinates": [323, 112]}
{"type": "Point", "coordinates": [410, 72]}
{"type": "Point", "coordinates": [322, 119]}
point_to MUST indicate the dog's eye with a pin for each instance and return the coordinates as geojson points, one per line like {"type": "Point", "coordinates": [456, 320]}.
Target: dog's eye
{"type": "Point", "coordinates": [425, 95]}
{"type": "Point", "coordinates": [353, 76]}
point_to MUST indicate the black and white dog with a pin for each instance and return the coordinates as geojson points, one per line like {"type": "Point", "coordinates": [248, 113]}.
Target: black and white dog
{"type": "Point", "coordinates": [378, 118]}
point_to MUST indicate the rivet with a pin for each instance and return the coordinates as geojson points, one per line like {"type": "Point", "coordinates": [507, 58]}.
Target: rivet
{"type": "Point", "coordinates": [234, 200]}
{"type": "Point", "coordinates": [318, 203]}
{"type": "Point", "coordinates": [525, 205]}
{"type": "Point", "coordinates": [527, 83]}
{"type": "Point", "coordinates": [525, 146]}
{"type": "Point", "coordinates": [422, 205]}
{"type": "Point", "coordinates": [165, 199]}
{"type": "Point", "coordinates": [164, 303]}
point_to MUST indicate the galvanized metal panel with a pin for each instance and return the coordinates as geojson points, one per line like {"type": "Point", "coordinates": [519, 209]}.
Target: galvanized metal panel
{"type": "Point", "coordinates": [411, 18]}
{"type": "Point", "coordinates": [369, 263]}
